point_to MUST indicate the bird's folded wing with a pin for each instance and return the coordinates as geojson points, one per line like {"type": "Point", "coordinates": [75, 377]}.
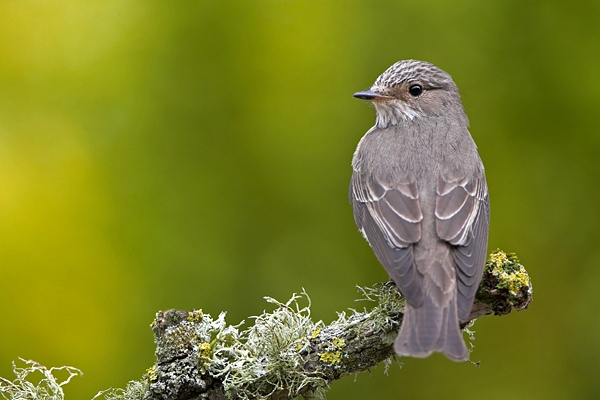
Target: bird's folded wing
{"type": "Point", "coordinates": [462, 219]}
{"type": "Point", "coordinates": [395, 210]}
{"type": "Point", "coordinates": [389, 218]}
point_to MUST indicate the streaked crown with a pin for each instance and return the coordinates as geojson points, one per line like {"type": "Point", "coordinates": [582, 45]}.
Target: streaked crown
{"type": "Point", "coordinates": [412, 71]}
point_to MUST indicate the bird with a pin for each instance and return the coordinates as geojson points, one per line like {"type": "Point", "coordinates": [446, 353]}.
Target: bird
{"type": "Point", "coordinates": [420, 198]}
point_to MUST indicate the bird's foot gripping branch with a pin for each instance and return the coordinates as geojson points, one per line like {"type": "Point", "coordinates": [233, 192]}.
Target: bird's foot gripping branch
{"type": "Point", "coordinates": [285, 354]}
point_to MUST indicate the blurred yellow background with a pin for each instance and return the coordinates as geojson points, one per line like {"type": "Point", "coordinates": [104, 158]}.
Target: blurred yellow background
{"type": "Point", "coordinates": [196, 154]}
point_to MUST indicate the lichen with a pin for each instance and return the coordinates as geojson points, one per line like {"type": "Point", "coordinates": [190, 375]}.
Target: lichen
{"type": "Point", "coordinates": [48, 387]}
{"type": "Point", "coordinates": [151, 373]}
{"type": "Point", "coordinates": [389, 304]}
{"type": "Point", "coordinates": [511, 275]}
{"type": "Point", "coordinates": [195, 316]}
{"type": "Point", "coordinates": [331, 357]}
{"type": "Point", "coordinates": [204, 352]}
{"type": "Point", "coordinates": [300, 343]}
{"type": "Point", "coordinates": [339, 343]}
{"type": "Point", "coordinates": [133, 391]}
{"type": "Point", "coordinates": [268, 357]}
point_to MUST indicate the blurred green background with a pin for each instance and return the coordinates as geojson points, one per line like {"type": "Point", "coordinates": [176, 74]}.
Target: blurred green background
{"type": "Point", "coordinates": [196, 154]}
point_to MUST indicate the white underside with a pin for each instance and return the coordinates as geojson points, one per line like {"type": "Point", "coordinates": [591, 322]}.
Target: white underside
{"type": "Point", "coordinates": [393, 112]}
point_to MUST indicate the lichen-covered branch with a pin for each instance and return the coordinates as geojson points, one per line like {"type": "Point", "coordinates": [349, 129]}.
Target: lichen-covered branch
{"type": "Point", "coordinates": [285, 354]}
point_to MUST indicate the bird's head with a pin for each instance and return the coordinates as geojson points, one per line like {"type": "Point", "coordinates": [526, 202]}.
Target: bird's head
{"type": "Point", "coordinates": [412, 89]}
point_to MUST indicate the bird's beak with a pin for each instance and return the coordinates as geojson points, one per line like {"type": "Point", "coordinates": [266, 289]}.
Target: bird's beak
{"type": "Point", "coordinates": [371, 95]}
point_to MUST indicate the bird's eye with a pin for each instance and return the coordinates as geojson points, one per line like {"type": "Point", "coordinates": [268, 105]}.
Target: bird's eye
{"type": "Point", "coordinates": [415, 90]}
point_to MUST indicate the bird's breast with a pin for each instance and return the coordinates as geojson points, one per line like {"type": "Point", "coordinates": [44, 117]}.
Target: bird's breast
{"type": "Point", "coordinates": [409, 150]}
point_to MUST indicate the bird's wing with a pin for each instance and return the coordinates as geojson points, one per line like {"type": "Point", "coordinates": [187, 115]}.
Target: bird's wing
{"type": "Point", "coordinates": [389, 218]}
{"type": "Point", "coordinates": [462, 212]}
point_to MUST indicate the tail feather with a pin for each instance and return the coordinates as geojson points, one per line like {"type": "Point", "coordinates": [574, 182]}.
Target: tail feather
{"type": "Point", "coordinates": [430, 328]}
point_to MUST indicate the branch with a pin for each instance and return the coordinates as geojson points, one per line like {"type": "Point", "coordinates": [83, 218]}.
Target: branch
{"type": "Point", "coordinates": [285, 354]}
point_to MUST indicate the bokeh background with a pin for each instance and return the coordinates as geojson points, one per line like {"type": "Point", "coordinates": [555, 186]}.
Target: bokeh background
{"type": "Point", "coordinates": [196, 154]}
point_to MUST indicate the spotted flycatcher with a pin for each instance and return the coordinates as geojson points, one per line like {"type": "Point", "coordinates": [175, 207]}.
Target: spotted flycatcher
{"type": "Point", "coordinates": [420, 198]}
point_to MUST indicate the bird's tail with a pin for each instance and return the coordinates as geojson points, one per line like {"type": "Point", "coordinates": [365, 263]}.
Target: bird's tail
{"type": "Point", "coordinates": [430, 328]}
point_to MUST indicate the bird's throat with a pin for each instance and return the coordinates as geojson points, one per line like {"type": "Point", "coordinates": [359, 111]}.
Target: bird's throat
{"type": "Point", "coordinates": [394, 112]}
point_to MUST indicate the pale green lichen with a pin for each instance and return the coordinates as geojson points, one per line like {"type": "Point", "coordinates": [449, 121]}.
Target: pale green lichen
{"type": "Point", "coordinates": [28, 384]}
{"type": "Point", "coordinates": [133, 391]}
{"type": "Point", "coordinates": [268, 356]}
{"type": "Point", "coordinates": [46, 387]}
{"type": "Point", "coordinates": [389, 304]}
{"type": "Point", "coordinates": [388, 362]}
{"type": "Point", "coordinates": [471, 334]}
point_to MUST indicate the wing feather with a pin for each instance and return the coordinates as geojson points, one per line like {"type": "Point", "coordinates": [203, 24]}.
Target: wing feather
{"type": "Point", "coordinates": [390, 219]}
{"type": "Point", "coordinates": [462, 219]}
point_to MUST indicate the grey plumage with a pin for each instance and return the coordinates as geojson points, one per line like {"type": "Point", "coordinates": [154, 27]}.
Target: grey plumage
{"type": "Point", "coordinates": [420, 198]}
